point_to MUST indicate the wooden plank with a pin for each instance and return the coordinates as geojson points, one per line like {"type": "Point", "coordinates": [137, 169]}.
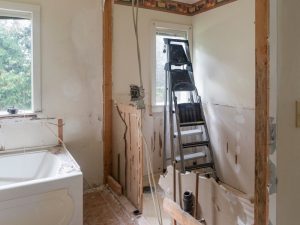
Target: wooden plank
{"type": "Point", "coordinates": [178, 214]}
{"type": "Point", "coordinates": [107, 89]}
{"type": "Point", "coordinates": [134, 154]}
{"type": "Point", "coordinates": [262, 112]}
{"type": "Point", "coordinates": [60, 132]}
{"type": "Point", "coordinates": [114, 185]}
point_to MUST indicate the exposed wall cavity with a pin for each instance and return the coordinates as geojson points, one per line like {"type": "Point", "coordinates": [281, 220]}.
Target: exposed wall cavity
{"type": "Point", "coordinates": [224, 64]}
{"type": "Point", "coordinates": [71, 42]}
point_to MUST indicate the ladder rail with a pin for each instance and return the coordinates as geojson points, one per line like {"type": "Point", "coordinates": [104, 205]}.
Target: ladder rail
{"type": "Point", "coordinates": [165, 125]}
{"type": "Point", "coordinates": [207, 133]}
{"type": "Point", "coordinates": [179, 134]}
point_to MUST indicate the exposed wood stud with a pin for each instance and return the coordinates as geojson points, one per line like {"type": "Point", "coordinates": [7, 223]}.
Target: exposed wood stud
{"type": "Point", "coordinates": [107, 89]}
{"type": "Point", "coordinates": [262, 112]}
{"type": "Point", "coordinates": [60, 127]}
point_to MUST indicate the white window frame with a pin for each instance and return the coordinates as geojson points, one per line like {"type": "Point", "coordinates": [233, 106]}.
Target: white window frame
{"type": "Point", "coordinates": [164, 26]}
{"type": "Point", "coordinates": [29, 11]}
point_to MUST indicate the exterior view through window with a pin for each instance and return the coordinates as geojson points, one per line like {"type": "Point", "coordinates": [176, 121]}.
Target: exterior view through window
{"type": "Point", "coordinates": [161, 59]}
{"type": "Point", "coordinates": [15, 63]}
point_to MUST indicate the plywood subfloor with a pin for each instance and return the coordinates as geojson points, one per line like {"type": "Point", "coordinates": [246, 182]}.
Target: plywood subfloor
{"type": "Point", "coordinates": [100, 207]}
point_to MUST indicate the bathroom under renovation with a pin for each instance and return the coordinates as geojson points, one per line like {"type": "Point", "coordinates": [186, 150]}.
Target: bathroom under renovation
{"type": "Point", "coordinates": [149, 112]}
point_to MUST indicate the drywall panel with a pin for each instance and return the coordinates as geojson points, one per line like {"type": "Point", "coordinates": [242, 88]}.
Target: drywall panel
{"type": "Point", "coordinates": [71, 43]}
{"type": "Point", "coordinates": [224, 65]}
{"type": "Point", "coordinates": [218, 203]}
{"type": "Point", "coordinates": [288, 153]}
{"type": "Point", "coordinates": [232, 133]}
{"type": "Point", "coordinates": [125, 72]}
{"type": "Point", "coordinates": [224, 54]}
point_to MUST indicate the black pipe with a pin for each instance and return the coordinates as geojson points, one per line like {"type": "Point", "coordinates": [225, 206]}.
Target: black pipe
{"type": "Point", "coordinates": [188, 202]}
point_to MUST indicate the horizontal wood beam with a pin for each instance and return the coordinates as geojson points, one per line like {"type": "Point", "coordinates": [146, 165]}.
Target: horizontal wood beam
{"type": "Point", "coordinates": [114, 185]}
{"type": "Point", "coordinates": [176, 213]}
{"type": "Point", "coordinates": [177, 7]}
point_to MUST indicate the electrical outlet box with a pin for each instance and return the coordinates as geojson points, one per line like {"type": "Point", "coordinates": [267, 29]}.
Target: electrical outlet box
{"type": "Point", "coordinates": [298, 114]}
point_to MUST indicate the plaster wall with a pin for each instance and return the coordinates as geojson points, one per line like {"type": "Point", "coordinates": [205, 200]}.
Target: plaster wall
{"type": "Point", "coordinates": [288, 153]}
{"type": "Point", "coordinates": [224, 65]}
{"type": "Point", "coordinates": [71, 52]}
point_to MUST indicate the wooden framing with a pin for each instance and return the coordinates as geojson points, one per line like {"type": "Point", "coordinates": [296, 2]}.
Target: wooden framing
{"type": "Point", "coordinates": [262, 112]}
{"type": "Point", "coordinates": [114, 185]}
{"type": "Point", "coordinates": [178, 7]}
{"type": "Point", "coordinates": [107, 89]}
{"type": "Point", "coordinates": [176, 213]}
{"type": "Point", "coordinates": [262, 103]}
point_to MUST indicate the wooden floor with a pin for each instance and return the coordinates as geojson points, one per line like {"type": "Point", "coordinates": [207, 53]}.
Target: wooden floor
{"type": "Point", "coordinates": [100, 207]}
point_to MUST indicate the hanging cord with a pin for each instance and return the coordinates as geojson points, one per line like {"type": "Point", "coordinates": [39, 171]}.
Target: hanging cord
{"type": "Point", "coordinates": [135, 17]}
{"type": "Point", "coordinates": [135, 13]}
{"type": "Point", "coordinates": [152, 183]}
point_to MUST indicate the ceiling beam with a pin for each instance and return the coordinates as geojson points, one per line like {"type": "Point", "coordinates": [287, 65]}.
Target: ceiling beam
{"type": "Point", "coordinates": [178, 7]}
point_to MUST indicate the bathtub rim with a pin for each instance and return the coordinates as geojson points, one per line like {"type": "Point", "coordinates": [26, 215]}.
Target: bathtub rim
{"type": "Point", "coordinates": [56, 150]}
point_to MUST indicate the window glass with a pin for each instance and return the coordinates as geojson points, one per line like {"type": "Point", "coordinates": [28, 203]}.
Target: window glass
{"type": "Point", "coordinates": [15, 63]}
{"type": "Point", "coordinates": [161, 60]}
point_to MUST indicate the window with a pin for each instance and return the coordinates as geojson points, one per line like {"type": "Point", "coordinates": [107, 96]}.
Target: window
{"type": "Point", "coordinates": [19, 57]}
{"type": "Point", "coordinates": [161, 31]}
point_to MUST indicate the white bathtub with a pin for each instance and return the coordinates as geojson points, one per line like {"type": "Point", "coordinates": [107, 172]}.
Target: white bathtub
{"type": "Point", "coordinates": [40, 187]}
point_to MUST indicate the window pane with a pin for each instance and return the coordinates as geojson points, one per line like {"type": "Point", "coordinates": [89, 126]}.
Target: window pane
{"type": "Point", "coordinates": [15, 63]}
{"type": "Point", "coordinates": [161, 60]}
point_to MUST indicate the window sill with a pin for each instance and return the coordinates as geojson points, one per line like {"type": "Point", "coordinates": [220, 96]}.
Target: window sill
{"type": "Point", "coordinates": [21, 114]}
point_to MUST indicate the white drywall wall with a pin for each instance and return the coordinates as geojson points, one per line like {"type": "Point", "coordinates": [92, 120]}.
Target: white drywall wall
{"type": "Point", "coordinates": [288, 196]}
{"type": "Point", "coordinates": [125, 72]}
{"type": "Point", "coordinates": [224, 65]}
{"type": "Point", "coordinates": [71, 41]}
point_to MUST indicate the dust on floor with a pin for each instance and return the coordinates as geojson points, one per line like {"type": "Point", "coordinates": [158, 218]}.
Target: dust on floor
{"type": "Point", "coordinates": [101, 207]}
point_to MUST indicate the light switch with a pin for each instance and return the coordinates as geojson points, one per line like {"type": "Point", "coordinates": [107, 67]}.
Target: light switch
{"type": "Point", "coordinates": [298, 114]}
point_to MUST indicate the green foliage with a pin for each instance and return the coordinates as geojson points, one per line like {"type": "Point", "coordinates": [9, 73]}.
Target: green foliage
{"type": "Point", "coordinates": [15, 64]}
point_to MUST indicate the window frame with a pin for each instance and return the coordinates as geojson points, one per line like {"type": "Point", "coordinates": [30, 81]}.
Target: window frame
{"type": "Point", "coordinates": [29, 11]}
{"type": "Point", "coordinates": [157, 25]}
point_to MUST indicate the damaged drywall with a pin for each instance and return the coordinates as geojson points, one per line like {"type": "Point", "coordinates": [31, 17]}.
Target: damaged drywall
{"type": "Point", "coordinates": [218, 203]}
{"type": "Point", "coordinates": [224, 65]}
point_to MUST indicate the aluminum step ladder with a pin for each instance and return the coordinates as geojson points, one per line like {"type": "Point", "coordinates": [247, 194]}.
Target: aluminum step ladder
{"type": "Point", "coordinates": [189, 138]}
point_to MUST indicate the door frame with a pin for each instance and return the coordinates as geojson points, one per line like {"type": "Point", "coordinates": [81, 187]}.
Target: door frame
{"type": "Point", "coordinates": [262, 58]}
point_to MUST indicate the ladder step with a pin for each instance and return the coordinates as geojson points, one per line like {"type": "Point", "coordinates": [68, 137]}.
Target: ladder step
{"type": "Point", "coordinates": [200, 166]}
{"type": "Point", "coordinates": [189, 132]}
{"type": "Point", "coordinates": [195, 144]}
{"type": "Point", "coordinates": [190, 124]}
{"type": "Point", "coordinates": [192, 156]}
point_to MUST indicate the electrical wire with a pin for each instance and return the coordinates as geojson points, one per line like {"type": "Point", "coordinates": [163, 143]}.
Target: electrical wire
{"type": "Point", "coordinates": [152, 183]}
{"type": "Point", "coordinates": [135, 17]}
